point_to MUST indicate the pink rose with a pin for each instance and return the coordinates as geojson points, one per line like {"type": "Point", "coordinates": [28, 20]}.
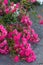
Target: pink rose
{"type": "Point", "coordinates": [33, 1]}
{"type": "Point", "coordinates": [41, 22]}
{"type": "Point", "coordinates": [7, 10]}
{"type": "Point", "coordinates": [32, 58]}
{"type": "Point", "coordinates": [21, 53]}
{"type": "Point", "coordinates": [5, 1]}
{"type": "Point", "coordinates": [16, 59]}
{"type": "Point", "coordinates": [3, 32]}
{"type": "Point", "coordinates": [3, 43]}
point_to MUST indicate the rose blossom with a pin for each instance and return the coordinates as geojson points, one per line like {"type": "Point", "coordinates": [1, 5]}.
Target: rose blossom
{"type": "Point", "coordinates": [41, 22]}
{"type": "Point", "coordinates": [16, 59]}
{"type": "Point", "coordinates": [2, 44]}
{"type": "Point", "coordinates": [26, 20]}
{"type": "Point", "coordinates": [33, 1]}
{"type": "Point", "coordinates": [3, 32]}
{"type": "Point", "coordinates": [5, 1]}
{"type": "Point", "coordinates": [7, 10]}
{"type": "Point", "coordinates": [32, 57]}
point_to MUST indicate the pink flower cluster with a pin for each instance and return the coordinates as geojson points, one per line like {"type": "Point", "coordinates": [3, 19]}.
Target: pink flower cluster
{"type": "Point", "coordinates": [29, 32]}
{"type": "Point", "coordinates": [3, 42]}
{"type": "Point", "coordinates": [26, 20]}
{"type": "Point", "coordinates": [4, 47]}
{"type": "Point", "coordinates": [3, 32]}
{"type": "Point", "coordinates": [41, 22]}
{"type": "Point", "coordinates": [22, 47]}
{"type": "Point", "coordinates": [6, 2]}
{"type": "Point", "coordinates": [33, 1]}
{"type": "Point", "coordinates": [20, 38]}
{"type": "Point", "coordinates": [24, 51]}
{"type": "Point", "coordinates": [12, 8]}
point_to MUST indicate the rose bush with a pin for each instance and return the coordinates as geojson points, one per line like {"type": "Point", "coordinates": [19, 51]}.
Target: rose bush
{"type": "Point", "coordinates": [16, 38]}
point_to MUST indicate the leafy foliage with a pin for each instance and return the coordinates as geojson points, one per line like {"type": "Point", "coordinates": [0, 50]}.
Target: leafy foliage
{"type": "Point", "coordinates": [9, 18]}
{"type": "Point", "coordinates": [15, 1]}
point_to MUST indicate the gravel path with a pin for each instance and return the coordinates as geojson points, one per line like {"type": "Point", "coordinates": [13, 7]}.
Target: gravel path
{"type": "Point", "coordinates": [5, 60]}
